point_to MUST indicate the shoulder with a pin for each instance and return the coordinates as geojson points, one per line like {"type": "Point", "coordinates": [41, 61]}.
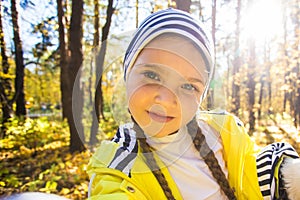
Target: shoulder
{"type": "Point", "coordinates": [118, 153]}
{"type": "Point", "coordinates": [220, 118]}
{"type": "Point", "coordinates": [232, 130]}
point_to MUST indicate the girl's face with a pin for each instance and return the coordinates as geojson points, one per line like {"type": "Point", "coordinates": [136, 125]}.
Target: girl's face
{"type": "Point", "coordinates": [165, 84]}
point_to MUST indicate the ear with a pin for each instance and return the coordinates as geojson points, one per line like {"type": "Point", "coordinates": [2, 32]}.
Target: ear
{"type": "Point", "coordinates": [291, 177]}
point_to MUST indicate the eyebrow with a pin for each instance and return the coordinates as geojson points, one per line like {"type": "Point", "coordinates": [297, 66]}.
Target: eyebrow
{"type": "Point", "coordinates": [157, 67]}
{"type": "Point", "coordinates": [152, 65]}
{"type": "Point", "coordinates": [195, 80]}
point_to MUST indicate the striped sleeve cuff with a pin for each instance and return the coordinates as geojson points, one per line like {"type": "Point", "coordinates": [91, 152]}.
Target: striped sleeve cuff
{"type": "Point", "coordinates": [267, 162]}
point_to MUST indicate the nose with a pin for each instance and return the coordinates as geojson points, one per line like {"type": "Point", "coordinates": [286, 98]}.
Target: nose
{"type": "Point", "coordinates": [165, 96]}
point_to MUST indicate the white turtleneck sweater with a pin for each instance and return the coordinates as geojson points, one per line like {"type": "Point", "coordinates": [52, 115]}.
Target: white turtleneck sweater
{"type": "Point", "coordinates": [187, 168]}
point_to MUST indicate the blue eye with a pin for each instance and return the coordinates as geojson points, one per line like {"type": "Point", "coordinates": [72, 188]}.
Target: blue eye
{"type": "Point", "coordinates": [189, 87]}
{"type": "Point", "coordinates": [151, 75]}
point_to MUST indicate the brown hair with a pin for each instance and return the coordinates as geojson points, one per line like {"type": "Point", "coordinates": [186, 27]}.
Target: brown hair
{"type": "Point", "coordinates": [209, 158]}
{"type": "Point", "coordinates": [205, 152]}
{"type": "Point", "coordinates": [150, 161]}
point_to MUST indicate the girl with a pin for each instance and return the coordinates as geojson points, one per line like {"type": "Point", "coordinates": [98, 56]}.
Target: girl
{"type": "Point", "coordinates": [171, 150]}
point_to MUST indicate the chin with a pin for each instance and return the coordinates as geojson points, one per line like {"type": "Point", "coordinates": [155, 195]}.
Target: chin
{"type": "Point", "coordinates": [158, 129]}
{"type": "Point", "coordinates": [159, 133]}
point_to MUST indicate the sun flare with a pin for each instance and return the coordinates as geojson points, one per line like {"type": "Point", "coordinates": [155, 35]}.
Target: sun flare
{"type": "Point", "coordinates": [263, 20]}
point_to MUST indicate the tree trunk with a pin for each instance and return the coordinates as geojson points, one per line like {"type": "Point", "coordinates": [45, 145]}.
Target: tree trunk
{"type": "Point", "coordinates": [183, 5]}
{"type": "Point", "coordinates": [287, 71]}
{"type": "Point", "coordinates": [251, 86]}
{"type": "Point", "coordinates": [297, 112]}
{"type": "Point", "coordinates": [94, 51]}
{"type": "Point", "coordinates": [269, 83]}
{"type": "Point", "coordinates": [64, 79]}
{"type": "Point", "coordinates": [261, 92]}
{"type": "Point", "coordinates": [265, 78]}
{"type": "Point", "coordinates": [210, 99]}
{"type": "Point", "coordinates": [5, 83]}
{"type": "Point", "coordinates": [286, 64]}
{"type": "Point", "coordinates": [90, 82]}
{"type": "Point", "coordinates": [70, 69]}
{"type": "Point", "coordinates": [99, 104]}
{"type": "Point", "coordinates": [75, 102]}
{"type": "Point", "coordinates": [95, 118]}
{"type": "Point", "coordinates": [136, 13]}
{"type": "Point", "coordinates": [296, 68]}
{"type": "Point", "coordinates": [235, 103]}
{"type": "Point", "coordinates": [297, 98]}
{"type": "Point", "coordinates": [19, 80]}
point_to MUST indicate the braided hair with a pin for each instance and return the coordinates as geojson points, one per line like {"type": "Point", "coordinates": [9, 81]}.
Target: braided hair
{"type": "Point", "coordinates": [209, 158]}
{"type": "Point", "coordinates": [151, 162]}
{"type": "Point", "coordinates": [205, 152]}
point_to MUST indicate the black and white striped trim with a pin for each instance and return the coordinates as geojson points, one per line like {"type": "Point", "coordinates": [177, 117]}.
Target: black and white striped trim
{"type": "Point", "coordinates": [127, 151]}
{"type": "Point", "coordinates": [266, 162]}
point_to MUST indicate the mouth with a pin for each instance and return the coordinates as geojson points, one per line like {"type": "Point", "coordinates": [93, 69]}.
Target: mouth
{"type": "Point", "coordinates": [159, 118]}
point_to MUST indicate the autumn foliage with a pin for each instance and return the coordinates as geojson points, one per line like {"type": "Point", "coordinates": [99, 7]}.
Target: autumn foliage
{"type": "Point", "coordinates": [34, 156]}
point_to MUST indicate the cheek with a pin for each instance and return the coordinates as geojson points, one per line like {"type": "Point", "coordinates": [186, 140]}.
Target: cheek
{"type": "Point", "coordinates": [136, 91]}
{"type": "Point", "coordinates": [134, 85]}
{"type": "Point", "coordinates": [139, 98]}
{"type": "Point", "coordinates": [189, 107]}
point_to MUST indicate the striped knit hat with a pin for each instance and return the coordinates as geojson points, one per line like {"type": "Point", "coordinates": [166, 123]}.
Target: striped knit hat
{"type": "Point", "coordinates": [170, 21]}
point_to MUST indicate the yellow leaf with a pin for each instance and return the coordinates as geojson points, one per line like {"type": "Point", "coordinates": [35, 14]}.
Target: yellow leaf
{"type": "Point", "coordinates": [84, 186]}
{"type": "Point", "coordinates": [65, 191]}
{"type": "Point", "coordinates": [76, 191]}
{"type": "Point", "coordinates": [8, 76]}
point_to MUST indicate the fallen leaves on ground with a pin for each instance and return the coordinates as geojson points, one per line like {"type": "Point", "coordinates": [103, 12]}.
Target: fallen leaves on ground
{"type": "Point", "coordinates": [45, 166]}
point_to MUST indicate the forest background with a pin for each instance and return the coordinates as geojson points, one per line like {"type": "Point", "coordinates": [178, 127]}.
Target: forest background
{"type": "Point", "coordinates": [62, 89]}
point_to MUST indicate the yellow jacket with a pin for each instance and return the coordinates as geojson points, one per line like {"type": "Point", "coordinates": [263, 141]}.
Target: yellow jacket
{"type": "Point", "coordinates": [239, 154]}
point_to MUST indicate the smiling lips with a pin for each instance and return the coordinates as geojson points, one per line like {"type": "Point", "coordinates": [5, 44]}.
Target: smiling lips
{"type": "Point", "coordinates": [159, 117]}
